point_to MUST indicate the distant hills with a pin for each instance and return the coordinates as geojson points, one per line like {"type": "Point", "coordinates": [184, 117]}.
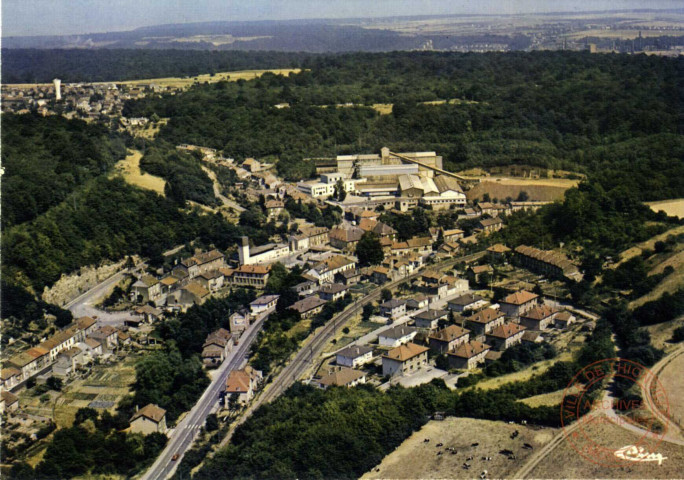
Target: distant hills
{"type": "Point", "coordinates": [316, 36]}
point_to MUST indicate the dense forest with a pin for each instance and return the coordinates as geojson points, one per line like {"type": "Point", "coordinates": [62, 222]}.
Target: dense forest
{"type": "Point", "coordinates": [46, 158]}
{"type": "Point", "coordinates": [113, 65]}
{"type": "Point", "coordinates": [611, 115]}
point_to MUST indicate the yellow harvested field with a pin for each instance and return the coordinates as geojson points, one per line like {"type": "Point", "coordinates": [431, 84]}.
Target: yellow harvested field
{"type": "Point", "coordinates": [565, 462]}
{"type": "Point", "coordinates": [416, 458]}
{"type": "Point", "coordinates": [545, 399]}
{"type": "Point", "coordinates": [626, 34]}
{"type": "Point", "coordinates": [130, 169]}
{"type": "Point", "coordinates": [673, 208]}
{"type": "Point", "coordinates": [545, 189]}
{"type": "Point", "coordinates": [383, 108]}
{"type": "Point", "coordinates": [184, 82]}
{"type": "Point", "coordinates": [671, 380]}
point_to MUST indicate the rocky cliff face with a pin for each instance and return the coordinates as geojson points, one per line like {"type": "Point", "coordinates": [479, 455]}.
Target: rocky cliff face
{"type": "Point", "coordinates": [71, 286]}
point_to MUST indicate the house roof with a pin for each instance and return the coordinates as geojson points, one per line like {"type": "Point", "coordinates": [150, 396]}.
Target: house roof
{"type": "Point", "coordinates": [238, 381]}
{"type": "Point", "coordinates": [488, 222]}
{"type": "Point", "coordinates": [8, 397]}
{"type": "Point", "coordinates": [405, 352]}
{"type": "Point", "coordinates": [307, 304]}
{"type": "Point", "coordinates": [72, 352]}
{"type": "Point", "coordinates": [211, 274]}
{"type": "Point", "coordinates": [333, 288]}
{"type": "Point", "coordinates": [539, 312]}
{"type": "Point", "coordinates": [520, 298]}
{"type": "Point", "coordinates": [85, 322]}
{"type": "Point", "coordinates": [432, 275]}
{"type": "Point", "coordinates": [431, 314]}
{"type": "Point", "coordinates": [382, 229]}
{"type": "Point", "coordinates": [477, 269]}
{"type": "Point", "coordinates": [393, 303]}
{"type": "Point", "coordinates": [337, 261]}
{"type": "Point", "coordinates": [467, 299]}
{"type": "Point", "coordinates": [274, 204]}
{"type": "Point", "coordinates": [417, 242]}
{"type": "Point", "coordinates": [498, 248]}
{"type": "Point", "coordinates": [485, 316]}
{"type": "Point", "coordinates": [57, 339]}
{"type": "Point", "coordinates": [417, 299]}
{"type": "Point", "coordinates": [368, 214]}
{"type": "Point", "coordinates": [354, 351]}
{"type": "Point", "coordinates": [551, 257]}
{"type": "Point", "coordinates": [92, 342]}
{"type": "Point", "coordinates": [532, 336]}
{"type": "Point", "coordinates": [37, 352]}
{"type": "Point", "coordinates": [507, 330]}
{"type": "Point", "coordinates": [9, 372]}
{"type": "Point", "coordinates": [347, 235]}
{"type": "Point", "coordinates": [147, 310]}
{"type": "Point", "coordinates": [398, 332]}
{"type": "Point", "coordinates": [381, 270]}
{"type": "Point", "coordinates": [564, 316]}
{"type": "Point", "coordinates": [455, 231]}
{"type": "Point", "coordinates": [151, 411]}
{"type": "Point", "coordinates": [367, 224]}
{"type": "Point", "coordinates": [470, 349]}
{"type": "Point", "coordinates": [196, 289]}
{"type": "Point", "coordinates": [342, 377]}
{"type": "Point", "coordinates": [169, 280]}
{"type": "Point", "coordinates": [22, 359]}
{"type": "Point", "coordinates": [265, 299]}
{"type": "Point", "coordinates": [255, 269]}
{"type": "Point", "coordinates": [149, 280]}
{"type": "Point", "coordinates": [452, 332]}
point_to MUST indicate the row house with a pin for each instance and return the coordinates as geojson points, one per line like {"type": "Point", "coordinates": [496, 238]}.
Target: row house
{"type": "Point", "coordinates": [489, 225]}
{"type": "Point", "coordinates": [393, 309]}
{"type": "Point", "coordinates": [332, 291]}
{"type": "Point", "coordinates": [354, 356]}
{"type": "Point", "coordinates": [505, 336]}
{"type": "Point", "coordinates": [216, 347]}
{"type": "Point", "coordinates": [404, 359]}
{"type": "Point", "coordinates": [201, 263]}
{"type": "Point", "coordinates": [468, 355]}
{"type": "Point", "coordinates": [466, 302]}
{"type": "Point", "coordinates": [341, 377]}
{"type": "Point", "coordinates": [396, 336]}
{"type": "Point", "coordinates": [263, 304]}
{"type": "Point", "coordinates": [518, 303]}
{"type": "Point", "coordinates": [539, 317]}
{"type": "Point", "coordinates": [250, 276]}
{"type": "Point", "coordinates": [485, 321]}
{"type": "Point", "coordinates": [448, 339]}
{"type": "Point", "coordinates": [546, 262]}
{"type": "Point", "coordinates": [325, 271]}
{"type": "Point", "coordinates": [430, 318]}
{"type": "Point", "coordinates": [243, 383]}
{"type": "Point", "coordinates": [309, 306]}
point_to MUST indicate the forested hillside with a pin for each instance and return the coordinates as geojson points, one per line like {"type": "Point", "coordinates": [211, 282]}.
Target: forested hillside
{"type": "Point", "coordinates": [113, 65]}
{"type": "Point", "coordinates": [609, 115]}
{"type": "Point", "coordinates": [46, 158]}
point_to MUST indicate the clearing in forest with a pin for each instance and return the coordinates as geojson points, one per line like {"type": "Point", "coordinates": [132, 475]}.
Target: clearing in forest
{"type": "Point", "coordinates": [673, 208]}
{"type": "Point", "coordinates": [130, 169]}
{"type": "Point", "coordinates": [543, 189]}
{"type": "Point", "coordinates": [416, 458]}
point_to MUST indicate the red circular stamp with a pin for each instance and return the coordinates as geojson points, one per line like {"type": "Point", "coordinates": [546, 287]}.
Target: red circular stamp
{"type": "Point", "coordinates": [588, 401]}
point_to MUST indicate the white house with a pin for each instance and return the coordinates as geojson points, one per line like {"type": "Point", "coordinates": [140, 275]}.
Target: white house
{"type": "Point", "coordinates": [263, 304]}
{"type": "Point", "coordinates": [354, 356]}
{"type": "Point", "coordinates": [396, 336]}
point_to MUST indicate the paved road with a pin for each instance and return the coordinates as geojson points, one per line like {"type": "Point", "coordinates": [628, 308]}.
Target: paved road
{"type": "Point", "coordinates": [217, 192]}
{"type": "Point", "coordinates": [185, 432]}
{"type": "Point", "coordinates": [311, 349]}
{"type": "Point", "coordinates": [82, 305]}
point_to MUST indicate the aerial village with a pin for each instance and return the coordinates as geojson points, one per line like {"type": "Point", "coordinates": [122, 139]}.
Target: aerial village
{"type": "Point", "coordinates": [449, 306]}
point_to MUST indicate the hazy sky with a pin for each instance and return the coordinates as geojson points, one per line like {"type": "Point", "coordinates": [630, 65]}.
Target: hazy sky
{"type": "Point", "coordinates": [56, 17]}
